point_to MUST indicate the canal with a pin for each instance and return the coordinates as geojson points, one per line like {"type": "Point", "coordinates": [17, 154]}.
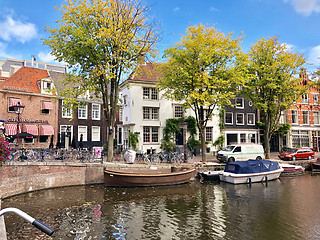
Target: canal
{"type": "Point", "coordinates": [288, 208]}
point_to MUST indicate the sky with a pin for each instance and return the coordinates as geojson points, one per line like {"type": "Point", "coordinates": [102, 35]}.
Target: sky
{"type": "Point", "coordinates": [295, 22]}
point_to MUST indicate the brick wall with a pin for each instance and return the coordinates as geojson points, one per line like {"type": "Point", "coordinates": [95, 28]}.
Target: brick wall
{"type": "Point", "coordinates": [25, 177]}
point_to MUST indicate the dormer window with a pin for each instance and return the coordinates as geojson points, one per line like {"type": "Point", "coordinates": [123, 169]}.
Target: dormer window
{"type": "Point", "coordinates": [46, 85]}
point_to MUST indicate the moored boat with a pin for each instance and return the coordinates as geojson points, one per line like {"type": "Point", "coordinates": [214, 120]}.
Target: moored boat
{"type": "Point", "coordinates": [290, 169]}
{"type": "Point", "coordinates": [315, 166]}
{"type": "Point", "coordinates": [148, 177]}
{"type": "Point", "coordinates": [211, 175]}
{"type": "Point", "coordinates": [251, 171]}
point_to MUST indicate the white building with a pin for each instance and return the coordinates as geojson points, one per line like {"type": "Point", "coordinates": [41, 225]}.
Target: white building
{"type": "Point", "coordinates": [145, 111]}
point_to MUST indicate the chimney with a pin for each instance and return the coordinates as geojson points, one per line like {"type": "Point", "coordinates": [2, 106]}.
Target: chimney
{"type": "Point", "coordinates": [33, 59]}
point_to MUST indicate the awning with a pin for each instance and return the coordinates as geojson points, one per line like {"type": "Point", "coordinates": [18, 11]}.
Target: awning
{"type": "Point", "coordinates": [14, 102]}
{"type": "Point", "coordinates": [11, 129]}
{"type": "Point", "coordinates": [46, 130]}
{"type": "Point", "coordinates": [30, 128]}
{"type": "Point", "coordinates": [47, 105]}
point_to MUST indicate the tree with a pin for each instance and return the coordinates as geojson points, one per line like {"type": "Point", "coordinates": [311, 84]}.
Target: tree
{"type": "Point", "coordinates": [272, 85]}
{"type": "Point", "coordinates": [102, 41]}
{"type": "Point", "coordinates": [202, 72]}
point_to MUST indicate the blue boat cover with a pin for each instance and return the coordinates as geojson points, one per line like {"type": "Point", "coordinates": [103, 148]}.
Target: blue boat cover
{"type": "Point", "coordinates": [251, 166]}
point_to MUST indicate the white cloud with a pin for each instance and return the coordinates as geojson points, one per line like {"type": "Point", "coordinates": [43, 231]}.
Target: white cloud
{"type": "Point", "coordinates": [305, 7]}
{"type": "Point", "coordinates": [213, 9]}
{"type": "Point", "coordinates": [45, 57]}
{"type": "Point", "coordinates": [314, 56]}
{"type": "Point", "coordinates": [22, 32]}
{"type": "Point", "coordinates": [176, 9]}
{"type": "Point", "coordinates": [3, 53]}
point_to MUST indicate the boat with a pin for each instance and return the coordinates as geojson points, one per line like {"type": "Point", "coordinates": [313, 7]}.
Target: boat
{"type": "Point", "coordinates": [210, 175]}
{"type": "Point", "coordinates": [152, 176]}
{"type": "Point", "coordinates": [251, 171]}
{"type": "Point", "coordinates": [290, 169]}
{"type": "Point", "coordinates": [315, 166]}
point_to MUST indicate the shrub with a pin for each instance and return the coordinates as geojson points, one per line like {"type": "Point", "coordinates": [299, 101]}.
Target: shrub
{"type": "Point", "coordinates": [4, 150]}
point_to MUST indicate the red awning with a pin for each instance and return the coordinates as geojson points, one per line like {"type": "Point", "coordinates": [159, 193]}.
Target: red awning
{"type": "Point", "coordinates": [47, 105]}
{"type": "Point", "coordinates": [46, 130]}
{"type": "Point", "coordinates": [11, 129]}
{"type": "Point", "coordinates": [14, 102]}
{"type": "Point", "coordinates": [30, 128]}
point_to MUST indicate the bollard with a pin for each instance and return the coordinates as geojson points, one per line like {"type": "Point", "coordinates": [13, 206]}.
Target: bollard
{"type": "Point", "coordinates": [250, 181]}
{"type": "Point", "coordinates": [101, 158]}
{"type": "Point", "coordinates": [42, 156]}
{"type": "Point", "coordinates": [62, 153]}
{"type": "Point", "coordinates": [82, 157]}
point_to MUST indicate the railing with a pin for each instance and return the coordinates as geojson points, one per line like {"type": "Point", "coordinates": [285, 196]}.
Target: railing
{"type": "Point", "coordinates": [87, 156]}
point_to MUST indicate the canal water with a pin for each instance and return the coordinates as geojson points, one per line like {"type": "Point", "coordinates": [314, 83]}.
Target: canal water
{"type": "Point", "coordinates": [287, 208]}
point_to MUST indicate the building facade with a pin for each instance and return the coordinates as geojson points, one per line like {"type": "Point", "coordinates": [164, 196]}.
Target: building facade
{"type": "Point", "coordinates": [240, 121]}
{"type": "Point", "coordinates": [304, 118]}
{"type": "Point", "coordinates": [144, 110]}
{"type": "Point", "coordinates": [29, 87]}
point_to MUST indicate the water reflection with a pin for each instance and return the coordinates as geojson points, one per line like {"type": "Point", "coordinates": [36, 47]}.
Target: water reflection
{"type": "Point", "coordinates": [284, 209]}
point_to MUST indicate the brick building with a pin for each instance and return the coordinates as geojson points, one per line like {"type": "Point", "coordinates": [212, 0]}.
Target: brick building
{"type": "Point", "coordinates": [304, 117]}
{"type": "Point", "coordinates": [30, 88]}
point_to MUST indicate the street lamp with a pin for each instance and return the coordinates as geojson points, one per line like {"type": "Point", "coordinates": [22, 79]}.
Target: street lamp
{"type": "Point", "coordinates": [18, 110]}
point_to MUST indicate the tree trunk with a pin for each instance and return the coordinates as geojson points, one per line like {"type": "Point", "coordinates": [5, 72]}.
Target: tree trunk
{"type": "Point", "coordinates": [203, 145]}
{"type": "Point", "coordinates": [267, 140]}
{"type": "Point", "coordinates": [110, 145]}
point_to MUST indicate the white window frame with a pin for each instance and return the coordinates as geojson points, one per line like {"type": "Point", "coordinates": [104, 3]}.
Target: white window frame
{"type": "Point", "coordinates": [179, 113]}
{"type": "Point", "coordinates": [240, 114]}
{"type": "Point", "coordinates": [96, 138]}
{"type": "Point", "coordinates": [209, 134]}
{"type": "Point", "coordinates": [231, 118]}
{"type": "Point", "coordinates": [83, 112]}
{"type": "Point", "coordinates": [242, 103]}
{"type": "Point", "coordinates": [96, 113]}
{"type": "Point", "coordinates": [66, 112]}
{"type": "Point", "coordinates": [305, 99]}
{"type": "Point", "coordinates": [296, 117]}
{"type": "Point", "coordinates": [316, 99]}
{"type": "Point", "coordinates": [254, 118]}
{"type": "Point", "coordinates": [149, 134]}
{"type": "Point", "coordinates": [85, 136]}
{"type": "Point", "coordinates": [308, 119]}
{"type": "Point", "coordinates": [314, 122]}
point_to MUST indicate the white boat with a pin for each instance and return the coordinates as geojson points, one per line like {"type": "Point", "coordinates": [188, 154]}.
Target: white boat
{"type": "Point", "coordinates": [251, 171]}
{"type": "Point", "coordinates": [290, 169]}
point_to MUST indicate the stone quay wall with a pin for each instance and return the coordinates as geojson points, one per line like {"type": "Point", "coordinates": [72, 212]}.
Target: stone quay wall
{"type": "Point", "coordinates": [17, 178]}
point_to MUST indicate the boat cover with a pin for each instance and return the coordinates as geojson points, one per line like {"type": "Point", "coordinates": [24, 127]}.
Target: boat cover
{"type": "Point", "coordinates": [252, 166]}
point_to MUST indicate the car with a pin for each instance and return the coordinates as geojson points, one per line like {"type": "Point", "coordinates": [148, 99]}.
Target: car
{"type": "Point", "coordinates": [296, 153]}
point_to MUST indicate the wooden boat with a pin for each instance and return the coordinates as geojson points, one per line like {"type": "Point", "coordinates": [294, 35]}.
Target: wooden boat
{"type": "Point", "coordinates": [211, 175]}
{"type": "Point", "coordinates": [251, 171]}
{"type": "Point", "coordinates": [290, 169]}
{"type": "Point", "coordinates": [147, 177]}
{"type": "Point", "coordinates": [315, 166]}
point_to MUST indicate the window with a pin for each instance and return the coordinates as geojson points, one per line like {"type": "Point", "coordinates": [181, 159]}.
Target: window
{"type": "Point", "coordinates": [240, 120]}
{"type": "Point", "coordinates": [46, 106]}
{"type": "Point", "coordinates": [315, 98]}
{"type": "Point", "coordinates": [300, 138]}
{"type": "Point", "coordinates": [66, 111]}
{"type": "Point", "coordinates": [82, 130]}
{"type": "Point", "coordinates": [95, 133]}
{"type": "Point", "coordinates": [96, 111]}
{"type": "Point", "coordinates": [150, 93]}
{"type": "Point", "coordinates": [150, 134]}
{"type": "Point", "coordinates": [228, 119]}
{"type": "Point", "coordinates": [125, 100]}
{"type": "Point", "coordinates": [305, 117]}
{"type": "Point", "coordinates": [120, 114]}
{"type": "Point", "coordinates": [150, 113]}
{"type": "Point", "coordinates": [209, 134]}
{"type": "Point", "coordinates": [250, 118]}
{"type": "Point", "coordinates": [242, 137]}
{"type": "Point", "coordinates": [46, 85]}
{"type": "Point", "coordinates": [239, 103]}
{"type": "Point", "coordinates": [178, 111]}
{"type": "Point", "coordinates": [43, 139]}
{"type": "Point", "coordinates": [237, 149]}
{"type": "Point", "coordinates": [13, 102]}
{"type": "Point", "coordinates": [252, 137]}
{"type": "Point", "coordinates": [294, 116]}
{"type": "Point", "coordinates": [82, 112]}
{"type": "Point", "coordinates": [316, 118]}
{"type": "Point", "coordinates": [206, 114]}
{"type": "Point", "coordinates": [305, 98]}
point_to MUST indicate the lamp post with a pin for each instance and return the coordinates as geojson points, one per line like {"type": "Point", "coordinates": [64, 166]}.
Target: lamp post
{"type": "Point", "coordinates": [18, 109]}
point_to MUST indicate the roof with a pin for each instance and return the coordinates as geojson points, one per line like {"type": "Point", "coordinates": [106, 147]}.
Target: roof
{"type": "Point", "coordinates": [147, 72]}
{"type": "Point", "coordinates": [25, 80]}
